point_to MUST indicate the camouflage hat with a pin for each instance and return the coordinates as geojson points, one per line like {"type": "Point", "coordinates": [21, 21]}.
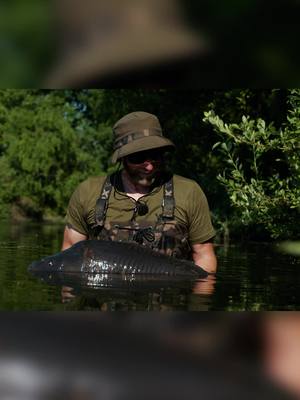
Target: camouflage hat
{"type": "Point", "coordinates": [137, 131]}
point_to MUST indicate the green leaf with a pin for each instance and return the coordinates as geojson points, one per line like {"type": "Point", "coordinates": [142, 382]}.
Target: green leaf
{"type": "Point", "coordinates": [216, 145]}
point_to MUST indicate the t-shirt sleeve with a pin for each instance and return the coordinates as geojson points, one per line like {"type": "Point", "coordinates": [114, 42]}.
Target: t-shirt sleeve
{"type": "Point", "coordinates": [75, 217]}
{"type": "Point", "coordinates": [200, 225]}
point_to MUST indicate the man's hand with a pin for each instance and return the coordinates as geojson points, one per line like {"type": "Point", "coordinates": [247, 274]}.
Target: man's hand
{"type": "Point", "coordinates": [205, 286]}
{"type": "Point", "coordinates": [66, 294]}
{"type": "Point", "coordinates": [204, 256]}
{"type": "Point", "coordinates": [70, 237]}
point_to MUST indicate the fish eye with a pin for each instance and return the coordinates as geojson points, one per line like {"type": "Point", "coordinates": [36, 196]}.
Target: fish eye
{"type": "Point", "coordinates": [50, 263]}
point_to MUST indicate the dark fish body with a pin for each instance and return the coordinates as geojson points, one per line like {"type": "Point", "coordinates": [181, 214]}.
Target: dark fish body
{"type": "Point", "coordinates": [83, 282]}
{"type": "Point", "coordinates": [94, 258]}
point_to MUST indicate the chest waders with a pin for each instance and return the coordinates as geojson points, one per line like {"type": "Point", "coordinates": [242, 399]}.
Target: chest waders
{"type": "Point", "coordinates": [167, 235]}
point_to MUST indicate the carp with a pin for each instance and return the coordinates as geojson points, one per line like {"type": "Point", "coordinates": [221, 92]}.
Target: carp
{"type": "Point", "coordinates": [99, 261]}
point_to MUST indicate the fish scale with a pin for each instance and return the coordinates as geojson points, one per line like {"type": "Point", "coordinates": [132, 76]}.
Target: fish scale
{"type": "Point", "coordinates": [97, 256]}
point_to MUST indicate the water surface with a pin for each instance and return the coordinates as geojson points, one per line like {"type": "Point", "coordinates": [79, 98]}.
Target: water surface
{"type": "Point", "coordinates": [250, 277]}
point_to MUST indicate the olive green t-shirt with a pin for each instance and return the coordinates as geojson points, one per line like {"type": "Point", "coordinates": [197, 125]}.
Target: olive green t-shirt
{"type": "Point", "coordinates": [191, 207]}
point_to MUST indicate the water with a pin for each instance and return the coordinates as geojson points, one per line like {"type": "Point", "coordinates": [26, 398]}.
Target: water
{"type": "Point", "coordinates": [250, 277]}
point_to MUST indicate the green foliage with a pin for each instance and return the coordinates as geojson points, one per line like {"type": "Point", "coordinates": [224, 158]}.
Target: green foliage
{"type": "Point", "coordinates": [27, 42]}
{"type": "Point", "coordinates": [262, 174]}
{"type": "Point", "coordinates": [47, 149]}
{"type": "Point", "coordinates": [52, 140]}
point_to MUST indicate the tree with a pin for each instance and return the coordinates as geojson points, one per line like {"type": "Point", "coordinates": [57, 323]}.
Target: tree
{"type": "Point", "coordinates": [48, 147]}
{"type": "Point", "coordinates": [262, 174]}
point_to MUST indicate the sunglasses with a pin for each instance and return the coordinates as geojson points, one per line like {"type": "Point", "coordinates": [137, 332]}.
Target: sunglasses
{"type": "Point", "coordinates": [142, 156]}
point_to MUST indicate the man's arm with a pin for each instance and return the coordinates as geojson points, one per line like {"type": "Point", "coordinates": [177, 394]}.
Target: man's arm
{"type": "Point", "coordinates": [71, 237]}
{"type": "Point", "coordinates": [204, 256]}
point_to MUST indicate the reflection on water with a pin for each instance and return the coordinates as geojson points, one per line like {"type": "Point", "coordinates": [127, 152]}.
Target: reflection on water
{"type": "Point", "coordinates": [252, 277]}
{"type": "Point", "coordinates": [159, 297]}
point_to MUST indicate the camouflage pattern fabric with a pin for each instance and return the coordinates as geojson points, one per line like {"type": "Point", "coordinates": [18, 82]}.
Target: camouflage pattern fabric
{"type": "Point", "coordinates": [189, 223]}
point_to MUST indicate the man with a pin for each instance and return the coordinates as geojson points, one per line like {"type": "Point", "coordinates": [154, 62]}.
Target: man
{"type": "Point", "coordinates": [143, 202]}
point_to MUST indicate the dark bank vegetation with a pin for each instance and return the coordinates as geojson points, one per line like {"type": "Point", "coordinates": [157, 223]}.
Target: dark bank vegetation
{"type": "Point", "coordinates": [241, 146]}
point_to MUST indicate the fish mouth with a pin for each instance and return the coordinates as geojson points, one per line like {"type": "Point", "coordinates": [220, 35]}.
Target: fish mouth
{"type": "Point", "coordinates": [37, 267]}
{"type": "Point", "coordinates": [33, 267]}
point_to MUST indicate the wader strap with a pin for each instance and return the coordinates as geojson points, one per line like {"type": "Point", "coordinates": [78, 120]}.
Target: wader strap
{"type": "Point", "coordinates": [168, 204]}
{"type": "Point", "coordinates": [102, 203]}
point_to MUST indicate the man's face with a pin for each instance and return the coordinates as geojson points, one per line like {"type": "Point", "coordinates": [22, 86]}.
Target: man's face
{"type": "Point", "coordinates": [143, 167]}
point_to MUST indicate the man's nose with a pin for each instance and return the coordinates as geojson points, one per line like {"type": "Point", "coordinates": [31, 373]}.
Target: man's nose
{"type": "Point", "coordinates": [149, 166]}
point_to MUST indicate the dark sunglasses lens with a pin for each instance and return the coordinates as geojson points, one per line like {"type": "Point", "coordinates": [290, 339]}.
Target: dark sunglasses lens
{"type": "Point", "coordinates": [139, 158]}
{"type": "Point", "coordinates": [136, 159]}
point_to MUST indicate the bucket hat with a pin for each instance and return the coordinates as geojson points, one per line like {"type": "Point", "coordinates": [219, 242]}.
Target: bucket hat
{"type": "Point", "coordinates": [137, 131]}
{"type": "Point", "coordinates": [99, 39]}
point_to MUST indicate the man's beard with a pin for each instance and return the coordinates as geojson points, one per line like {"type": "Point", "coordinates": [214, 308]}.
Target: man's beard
{"type": "Point", "coordinates": [139, 178]}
